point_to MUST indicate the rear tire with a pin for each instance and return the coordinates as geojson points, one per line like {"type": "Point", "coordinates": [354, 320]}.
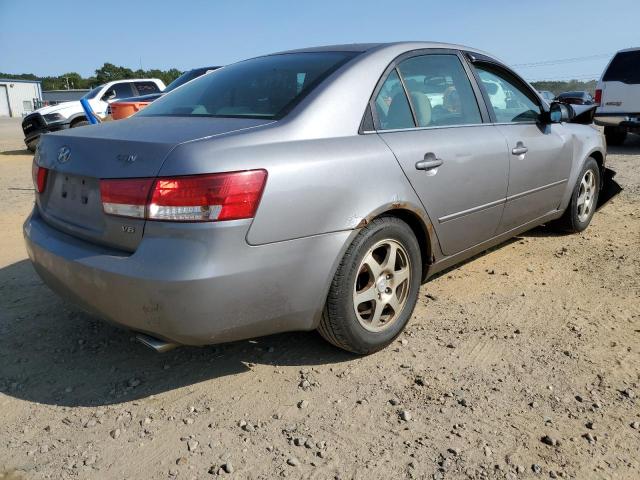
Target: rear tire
{"type": "Point", "coordinates": [379, 274]}
{"type": "Point", "coordinates": [615, 135]}
{"type": "Point", "coordinates": [584, 199]}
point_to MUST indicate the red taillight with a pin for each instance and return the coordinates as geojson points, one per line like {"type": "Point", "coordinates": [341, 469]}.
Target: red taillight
{"type": "Point", "coordinates": [598, 97]}
{"type": "Point", "coordinates": [126, 198]}
{"type": "Point", "coordinates": [197, 198]}
{"type": "Point", "coordinates": [39, 177]}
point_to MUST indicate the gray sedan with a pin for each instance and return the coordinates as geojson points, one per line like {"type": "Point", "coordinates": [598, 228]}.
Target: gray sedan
{"type": "Point", "coordinates": [309, 189]}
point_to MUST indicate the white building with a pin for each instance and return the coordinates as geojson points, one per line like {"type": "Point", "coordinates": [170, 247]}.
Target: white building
{"type": "Point", "coordinates": [17, 97]}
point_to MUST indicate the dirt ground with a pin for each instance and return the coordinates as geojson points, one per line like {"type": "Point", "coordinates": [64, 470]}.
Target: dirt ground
{"type": "Point", "coordinates": [521, 363]}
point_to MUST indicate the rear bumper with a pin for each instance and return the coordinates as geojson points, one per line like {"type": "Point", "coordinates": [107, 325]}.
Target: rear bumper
{"type": "Point", "coordinates": [625, 120]}
{"type": "Point", "coordinates": [192, 284]}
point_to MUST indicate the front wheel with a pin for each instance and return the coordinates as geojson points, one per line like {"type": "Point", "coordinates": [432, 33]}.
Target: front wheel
{"type": "Point", "coordinates": [584, 199]}
{"type": "Point", "coordinates": [375, 288]}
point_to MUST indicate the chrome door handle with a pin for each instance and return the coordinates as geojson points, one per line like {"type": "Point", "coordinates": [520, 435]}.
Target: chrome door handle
{"type": "Point", "coordinates": [520, 149]}
{"type": "Point", "coordinates": [429, 163]}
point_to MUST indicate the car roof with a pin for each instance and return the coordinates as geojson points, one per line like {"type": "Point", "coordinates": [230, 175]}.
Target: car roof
{"type": "Point", "coordinates": [366, 47]}
{"type": "Point", "coordinates": [633, 49]}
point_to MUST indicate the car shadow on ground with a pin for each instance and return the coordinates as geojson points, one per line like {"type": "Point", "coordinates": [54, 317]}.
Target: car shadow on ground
{"type": "Point", "coordinates": [53, 353]}
{"type": "Point", "coordinates": [631, 146]}
{"type": "Point", "coordinates": [24, 152]}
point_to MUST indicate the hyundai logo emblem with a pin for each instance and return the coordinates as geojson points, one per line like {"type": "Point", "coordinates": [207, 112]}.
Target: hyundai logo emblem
{"type": "Point", "coordinates": [64, 154]}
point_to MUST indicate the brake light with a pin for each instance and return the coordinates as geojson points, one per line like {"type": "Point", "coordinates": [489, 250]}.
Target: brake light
{"type": "Point", "coordinates": [125, 198]}
{"type": "Point", "coordinates": [598, 97]}
{"type": "Point", "coordinates": [39, 175]}
{"type": "Point", "coordinates": [197, 198]}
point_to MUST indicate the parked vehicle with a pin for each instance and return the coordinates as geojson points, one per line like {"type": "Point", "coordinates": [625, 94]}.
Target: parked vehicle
{"type": "Point", "coordinates": [618, 96]}
{"type": "Point", "coordinates": [311, 189]}
{"type": "Point", "coordinates": [70, 114]}
{"type": "Point", "coordinates": [575, 98]}
{"type": "Point", "coordinates": [128, 106]}
{"type": "Point", "coordinates": [547, 96]}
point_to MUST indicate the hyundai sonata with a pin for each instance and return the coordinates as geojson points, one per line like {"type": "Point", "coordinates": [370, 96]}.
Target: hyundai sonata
{"type": "Point", "coordinates": [309, 189]}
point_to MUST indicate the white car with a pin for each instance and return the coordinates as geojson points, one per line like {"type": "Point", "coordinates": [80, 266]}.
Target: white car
{"type": "Point", "coordinates": [70, 114]}
{"type": "Point", "coordinates": [618, 96]}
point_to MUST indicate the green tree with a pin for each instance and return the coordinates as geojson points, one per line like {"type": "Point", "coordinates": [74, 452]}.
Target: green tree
{"type": "Point", "coordinates": [110, 72]}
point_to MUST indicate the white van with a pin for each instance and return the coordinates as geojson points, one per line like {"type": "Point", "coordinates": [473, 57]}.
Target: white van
{"type": "Point", "coordinates": [618, 96]}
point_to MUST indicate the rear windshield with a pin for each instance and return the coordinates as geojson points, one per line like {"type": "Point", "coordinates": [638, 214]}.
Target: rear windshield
{"type": "Point", "coordinates": [264, 87]}
{"type": "Point", "coordinates": [625, 67]}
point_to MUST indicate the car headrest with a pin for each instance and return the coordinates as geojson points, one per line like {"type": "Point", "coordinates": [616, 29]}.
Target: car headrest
{"type": "Point", "coordinates": [422, 106]}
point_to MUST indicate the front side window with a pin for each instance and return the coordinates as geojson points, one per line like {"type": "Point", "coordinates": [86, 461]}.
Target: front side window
{"type": "Point", "coordinates": [440, 91]}
{"type": "Point", "coordinates": [392, 107]}
{"type": "Point", "coordinates": [118, 91]}
{"type": "Point", "coordinates": [511, 101]}
{"type": "Point", "coordinates": [265, 87]}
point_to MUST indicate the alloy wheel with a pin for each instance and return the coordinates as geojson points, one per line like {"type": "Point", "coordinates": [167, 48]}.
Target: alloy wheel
{"type": "Point", "coordinates": [586, 195]}
{"type": "Point", "coordinates": [382, 285]}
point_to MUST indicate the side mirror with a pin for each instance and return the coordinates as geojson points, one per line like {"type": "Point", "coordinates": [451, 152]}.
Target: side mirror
{"type": "Point", "coordinates": [109, 95]}
{"type": "Point", "coordinates": [560, 113]}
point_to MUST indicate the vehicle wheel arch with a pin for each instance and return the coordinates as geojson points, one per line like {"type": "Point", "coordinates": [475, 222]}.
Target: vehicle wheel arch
{"type": "Point", "coordinates": [419, 223]}
{"type": "Point", "coordinates": [77, 118]}
{"type": "Point", "coordinates": [599, 157]}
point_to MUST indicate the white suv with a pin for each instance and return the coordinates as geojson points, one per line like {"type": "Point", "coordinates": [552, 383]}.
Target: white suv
{"type": "Point", "coordinates": [618, 96]}
{"type": "Point", "coordinates": [70, 114]}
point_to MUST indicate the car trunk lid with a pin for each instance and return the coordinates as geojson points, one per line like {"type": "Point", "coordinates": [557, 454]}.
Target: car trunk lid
{"type": "Point", "coordinates": [134, 148]}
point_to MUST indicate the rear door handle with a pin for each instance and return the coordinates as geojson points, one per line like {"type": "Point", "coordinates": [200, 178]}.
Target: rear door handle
{"type": "Point", "coordinates": [429, 163]}
{"type": "Point", "coordinates": [520, 149]}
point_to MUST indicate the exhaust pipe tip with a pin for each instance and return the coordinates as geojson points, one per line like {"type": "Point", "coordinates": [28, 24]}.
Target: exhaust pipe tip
{"type": "Point", "coordinates": [156, 344]}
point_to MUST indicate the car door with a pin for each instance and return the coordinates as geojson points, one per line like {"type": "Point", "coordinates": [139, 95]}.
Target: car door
{"type": "Point", "coordinates": [428, 113]}
{"type": "Point", "coordinates": [540, 154]}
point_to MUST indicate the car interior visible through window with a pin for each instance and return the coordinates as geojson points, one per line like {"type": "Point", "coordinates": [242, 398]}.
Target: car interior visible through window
{"type": "Point", "coordinates": [392, 106]}
{"type": "Point", "coordinates": [511, 103]}
{"type": "Point", "coordinates": [440, 92]}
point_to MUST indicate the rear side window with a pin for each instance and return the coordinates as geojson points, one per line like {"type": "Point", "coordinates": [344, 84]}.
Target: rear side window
{"type": "Point", "coordinates": [440, 91]}
{"type": "Point", "coordinates": [146, 88]}
{"type": "Point", "coordinates": [625, 68]}
{"type": "Point", "coordinates": [264, 87]}
{"type": "Point", "coordinates": [510, 99]}
{"type": "Point", "coordinates": [392, 106]}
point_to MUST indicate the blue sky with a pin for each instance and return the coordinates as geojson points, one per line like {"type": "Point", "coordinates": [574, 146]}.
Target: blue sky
{"type": "Point", "coordinates": [47, 38]}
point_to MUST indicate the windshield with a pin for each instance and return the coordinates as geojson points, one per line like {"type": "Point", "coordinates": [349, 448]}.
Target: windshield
{"type": "Point", "coordinates": [264, 87]}
{"type": "Point", "coordinates": [625, 67]}
{"type": "Point", "coordinates": [93, 92]}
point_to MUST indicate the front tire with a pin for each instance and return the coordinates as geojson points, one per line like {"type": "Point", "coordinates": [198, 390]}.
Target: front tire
{"type": "Point", "coordinates": [615, 135]}
{"type": "Point", "coordinates": [584, 199]}
{"type": "Point", "coordinates": [375, 288]}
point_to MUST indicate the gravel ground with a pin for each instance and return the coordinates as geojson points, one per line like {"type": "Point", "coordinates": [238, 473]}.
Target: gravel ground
{"type": "Point", "coordinates": [521, 363]}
